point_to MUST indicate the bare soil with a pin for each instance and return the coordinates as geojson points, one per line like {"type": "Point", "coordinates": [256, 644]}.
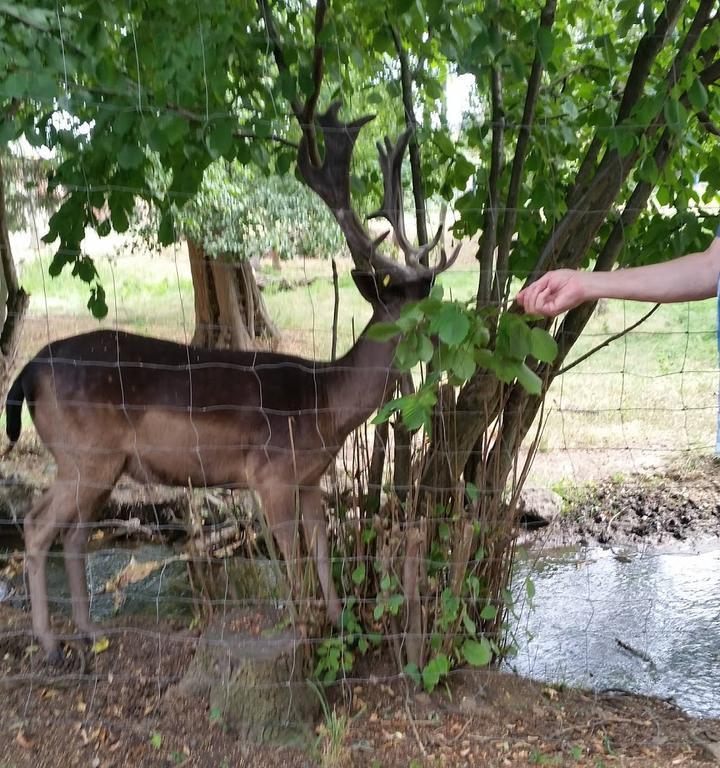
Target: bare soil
{"type": "Point", "coordinates": [676, 505]}
{"type": "Point", "coordinates": [112, 708]}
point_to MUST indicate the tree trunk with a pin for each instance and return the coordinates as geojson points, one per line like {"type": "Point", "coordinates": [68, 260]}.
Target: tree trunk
{"type": "Point", "coordinates": [230, 311]}
{"type": "Point", "coordinates": [14, 298]}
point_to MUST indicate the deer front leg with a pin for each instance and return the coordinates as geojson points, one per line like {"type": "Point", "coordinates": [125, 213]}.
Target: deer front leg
{"type": "Point", "coordinates": [315, 528]}
{"type": "Point", "coordinates": [279, 505]}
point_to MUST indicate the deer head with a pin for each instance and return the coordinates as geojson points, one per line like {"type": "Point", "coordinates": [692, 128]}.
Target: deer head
{"type": "Point", "coordinates": [378, 277]}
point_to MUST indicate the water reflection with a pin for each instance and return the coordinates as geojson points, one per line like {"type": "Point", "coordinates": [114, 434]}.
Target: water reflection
{"type": "Point", "coordinates": [665, 605]}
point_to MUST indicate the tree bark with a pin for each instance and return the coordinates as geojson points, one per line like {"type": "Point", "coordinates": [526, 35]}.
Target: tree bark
{"type": "Point", "coordinates": [230, 311]}
{"type": "Point", "coordinates": [16, 300]}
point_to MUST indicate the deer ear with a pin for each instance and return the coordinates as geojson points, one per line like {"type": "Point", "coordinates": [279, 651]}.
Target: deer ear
{"type": "Point", "coordinates": [367, 284]}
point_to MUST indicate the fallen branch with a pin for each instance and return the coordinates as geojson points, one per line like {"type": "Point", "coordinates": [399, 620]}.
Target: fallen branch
{"type": "Point", "coordinates": [635, 652]}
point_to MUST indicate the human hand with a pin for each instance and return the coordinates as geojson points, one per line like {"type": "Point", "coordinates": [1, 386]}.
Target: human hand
{"type": "Point", "coordinates": [555, 292]}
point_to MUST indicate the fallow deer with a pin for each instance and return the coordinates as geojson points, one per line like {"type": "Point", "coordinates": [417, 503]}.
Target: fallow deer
{"type": "Point", "coordinates": [109, 402]}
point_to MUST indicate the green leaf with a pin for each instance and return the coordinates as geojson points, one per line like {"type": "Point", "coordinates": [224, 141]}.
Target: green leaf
{"type": "Point", "coordinates": [529, 380]}
{"type": "Point", "coordinates": [444, 531]}
{"type": "Point", "coordinates": [130, 156]}
{"type": "Point", "coordinates": [472, 492]}
{"type": "Point", "coordinates": [513, 337]}
{"type": "Point", "coordinates": [543, 346]}
{"type": "Point", "coordinates": [545, 44]}
{"type": "Point", "coordinates": [221, 139]}
{"type": "Point", "coordinates": [488, 613]}
{"type": "Point", "coordinates": [529, 588]}
{"type": "Point", "coordinates": [166, 229]}
{"type": "Point", "coordinates": [463, 363]}
{"type": "Point", "coordinates": [451, 323]}
{"type": "Point", "coordinates": [698, 96]}
{"type": "Point", "coordinates": [469, 624]}
{"type": "Point", "coordinates": [436, 668]}
{"type": "Point", "coordinates": [394, 603]}
{"type": "Point", "coordinates": [96, 303]}
{"type": "Point", "coordinates": [425, 349]}
{"type": "Point", "coordinates": [358, 575]}
{"type": "Point", "coordinates": [156, 739]}
{"type": "Point", "coordinates": [382, 331]}
{"type": "Point", "coordinates": [675, 114]}
{"type": "Point", "coordinates": [477, 653]}
{"type": "Point", "coordinates": [412, 672]}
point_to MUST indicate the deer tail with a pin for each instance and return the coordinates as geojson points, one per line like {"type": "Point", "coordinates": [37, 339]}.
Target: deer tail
{"type": "Point", "coordinates": [13, 410]}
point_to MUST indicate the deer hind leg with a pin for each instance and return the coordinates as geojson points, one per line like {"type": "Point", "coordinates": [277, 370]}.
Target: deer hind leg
{"type": "Point", "coordinates": [68, 506]}
{"type": "Point", "coordinates": [316, 539]}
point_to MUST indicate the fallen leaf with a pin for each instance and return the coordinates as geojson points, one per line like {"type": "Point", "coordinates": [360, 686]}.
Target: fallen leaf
{"type": "Point", "coordinates": [23, 741]}
{"type": "Point", "coordinates": [101, 645]}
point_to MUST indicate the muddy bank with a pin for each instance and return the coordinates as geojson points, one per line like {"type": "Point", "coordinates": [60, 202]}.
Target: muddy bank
{"type": "Point", "coordinates": [679, 505]}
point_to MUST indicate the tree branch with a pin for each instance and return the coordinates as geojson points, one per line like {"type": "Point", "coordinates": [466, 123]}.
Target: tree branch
{"type": "Point", "coordinates": [278, 53]}
{"type": "Point", "coordinates": [608, 341]}
{"type": "Point", "coordinates": [547, 19]}
{"type": "Point", "coordinates": [308, 113]}
{"type": "Point", "coordinates": [8, 265]}
{"type": "Point", "coordinates": [706, 121]}
{"type": "Point", "coordinates": [488, 239]}
{"type": "Point", "coordinates": [648, 48]}
{"type": "Point", "coordinates": [414, 149]}
{"type": "Point", "coordinates": [645, 55]}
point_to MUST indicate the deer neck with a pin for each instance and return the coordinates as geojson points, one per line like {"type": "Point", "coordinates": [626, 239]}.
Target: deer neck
{"type": "Point", "coordinates": [362, 377]}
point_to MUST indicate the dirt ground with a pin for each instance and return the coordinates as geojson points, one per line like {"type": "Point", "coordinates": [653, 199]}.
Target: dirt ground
{"type": "Point", "coordinates": [112, 710]}
{"type": "Point", "coordinates": [678, 504]}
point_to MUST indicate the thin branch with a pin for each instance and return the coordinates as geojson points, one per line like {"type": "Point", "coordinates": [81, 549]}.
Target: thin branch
{"type": "Point", "coordinates": [608, 341]}
{"type": "Point", "coordinates": [488, 239]}
{"type": "Point", "coordinates": [414, 149]}
{"type": "Point", "coordinates": [645, 55]}
{"type": "Point", "coordinates": [711, 74]}
{"type": "Point", "coordinates": [647, 51]}
{"type": "Point", "coordinates": [277, 50]}
{"type": "Point", "coordinates": [336, 309]}
{"type": "Point", "coordinates": [707, 123]}
{"type": "Point", "coordinates": [547, 19]}
{"type": "Point", "coordinates": [308, 113]}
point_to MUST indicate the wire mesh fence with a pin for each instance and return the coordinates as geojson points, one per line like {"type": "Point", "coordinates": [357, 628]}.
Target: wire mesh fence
{"type": "Point", "coordinates": [229, 562]}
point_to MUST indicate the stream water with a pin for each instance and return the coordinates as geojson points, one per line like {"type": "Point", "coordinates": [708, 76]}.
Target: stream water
{"type": "Point", "coordinates": [664, 605]}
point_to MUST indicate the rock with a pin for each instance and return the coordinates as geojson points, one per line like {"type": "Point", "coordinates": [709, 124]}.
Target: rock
{"type": "Point", "coordinates": [538, 507]}
{"type": "Point", "coordinates": [252, 673]}
{"type": "Point", "coordinates": [258, 579]}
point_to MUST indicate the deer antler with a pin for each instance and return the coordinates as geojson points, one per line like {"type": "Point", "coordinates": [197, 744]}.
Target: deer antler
{"type": "Point", "coordinates": [331, 181]}
{"type": "Point", "coordinates": [393, 209]}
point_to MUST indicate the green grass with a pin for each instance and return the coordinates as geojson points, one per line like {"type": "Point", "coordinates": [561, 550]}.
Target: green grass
{"type": "Point", "coordinates": [654, 389]}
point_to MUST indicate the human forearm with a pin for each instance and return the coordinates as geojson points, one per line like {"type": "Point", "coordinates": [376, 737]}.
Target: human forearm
{"type": "Point", "coordinates": [687, 278]}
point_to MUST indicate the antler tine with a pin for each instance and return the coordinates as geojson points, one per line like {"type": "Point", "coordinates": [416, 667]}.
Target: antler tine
{"type": "Point", "coordinates": [444, 262]}
{"type": "Point", "coordinates": [392, 209]}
